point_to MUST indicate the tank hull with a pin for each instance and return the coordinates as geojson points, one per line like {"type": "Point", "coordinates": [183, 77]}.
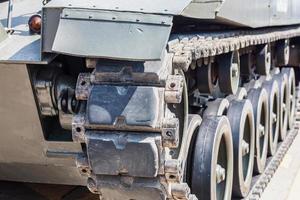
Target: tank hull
{"type": "Point", "coordinates": [258, 13]}
{"type": "Point", "coordinates": [26, 155]}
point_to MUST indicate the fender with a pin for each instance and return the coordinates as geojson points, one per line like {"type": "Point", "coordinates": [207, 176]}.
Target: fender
{"type": "Point", "coordinates": [123, 30]}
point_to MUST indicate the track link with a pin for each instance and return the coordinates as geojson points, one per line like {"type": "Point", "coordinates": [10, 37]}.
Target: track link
{"type": "Point", "coordinates": [192, 47]}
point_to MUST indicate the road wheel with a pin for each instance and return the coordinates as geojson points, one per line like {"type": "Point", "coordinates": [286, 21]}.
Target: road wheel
{"type": "Point", "coordinates": [260, 104]}
{"type": "Point", "coordinates": [212, 160]}
{"type": "Point", "coordinates": [240, 115]}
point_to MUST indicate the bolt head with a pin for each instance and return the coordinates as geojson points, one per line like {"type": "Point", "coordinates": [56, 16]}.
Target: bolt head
{"type": "Point", "coordinates": [220, 174]}
{"type": "Point", "coordinates": [245, 148]}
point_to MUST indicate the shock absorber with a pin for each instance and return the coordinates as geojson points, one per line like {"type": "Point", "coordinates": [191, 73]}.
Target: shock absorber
{"type": "Point", "coordinates": [55, 94]}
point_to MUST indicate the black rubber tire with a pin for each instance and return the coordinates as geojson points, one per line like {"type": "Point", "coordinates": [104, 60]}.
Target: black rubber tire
{"type": "Point", "coordinates": [213, 136]}
{"type": "Point", "coordinates": [260, 104]}
{"type": "Point", "coordinates": [186, 154]}
{"type": "Point", "coordinates": [292, 91]}
{"type": "Point", "coordinates": [217, 107]}
{"type": "Point", "coordinates": [283, 104]}
{"type": "Point", "coordinates": [229, 82]}
{"type": "Point", "coordinates": [240, 115]}
{"type": "Point", "coordinates": [247, 69]}
{"type": "Point", "coordinates": [272, 88]}
{"type": "Point", "coordinates": [240, 95]}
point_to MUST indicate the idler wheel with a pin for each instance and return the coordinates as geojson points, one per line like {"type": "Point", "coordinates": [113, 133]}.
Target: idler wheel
{"type": "Point", "coordinates": [229, 72]}
{"type": "Point", "coordinates": [240, 115]}
{"type": "Point", "coordinates": [291, 95]}
{"type": "Point", "coordinates": [211, 168]}
{"type": "Point", "coordinates": [272, 89]}
{"type": "Point", "coordinates": [260, 104]}
{"type": "Point", "coordinates": [282, 81]}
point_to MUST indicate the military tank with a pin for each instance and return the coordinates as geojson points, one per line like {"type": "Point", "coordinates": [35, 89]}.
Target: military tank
{"type": "Point", "coordinates": [143, 100]}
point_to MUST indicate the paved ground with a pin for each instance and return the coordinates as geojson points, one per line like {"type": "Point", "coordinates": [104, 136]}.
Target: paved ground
{"type": "Point", "coordinates": [285, 184]}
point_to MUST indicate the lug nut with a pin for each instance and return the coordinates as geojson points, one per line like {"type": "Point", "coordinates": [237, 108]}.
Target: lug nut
{"type": "Point", "coordinates": [283, 105]}
{"type": "Point", "coordinates": [235, 70]}
{"type": "Point", "coordinates": [245, 148]}
{"type": "Point", "coordinates": [261, 130]}
{"type": "Point", "coordinates": [220, 174]}
{"type": "Point", "coordinates": [274, 117]}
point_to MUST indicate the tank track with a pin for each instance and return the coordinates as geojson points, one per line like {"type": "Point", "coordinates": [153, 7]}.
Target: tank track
{"type": "Point", "coordinates": [189, 47]}
{"type": "Point", "coordinates": [141, 122]}
{"type": "Point", "coordinates": [261, 182]}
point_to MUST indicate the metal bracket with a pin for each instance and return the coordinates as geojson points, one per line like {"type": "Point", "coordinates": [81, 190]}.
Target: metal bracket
{"type": "Point", "coordinates": [83, 86]}
{"type": "Point", "coordinates": [43, 91]}
{"type": "Point", "coordinates": [174, 88]}
{"type": "Point", "coordinates": [116, 16]}
{"type": "Point", "coordinates": [170, 132]}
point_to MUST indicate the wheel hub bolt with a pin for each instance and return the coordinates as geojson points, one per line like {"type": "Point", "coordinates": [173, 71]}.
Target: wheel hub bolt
{"type": "Point", "coordinates": [284, 106]}
{"type": "Point", "coordinates": [235, 70]}
{"type": "Point", "coordinates": [261, 130]}
{"type": "Point", "coordinates": [245, 148]}
{"type": "Point", "coordinates": [220, 174]}
{"type": "Point", "coordinates": [274, 117]}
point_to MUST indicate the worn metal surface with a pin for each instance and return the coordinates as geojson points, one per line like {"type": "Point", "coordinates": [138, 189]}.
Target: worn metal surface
{"type": "Point", "coordinates": [23, 148]}
{"type": "Point", "coordinates": [119, 35]}
{"type": "Point", "coordinates": [145, 6]}
{"type": "Point", "coordinates": [130, 41]}
{"type": "Point", "coordinates": [259, 13]}
{"type": "Point", "coordinates": [121, 152]}
{"type": "Point", "coordinates": [127, 119]}
{"type": "Point", "coordinates": [131, 107]}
